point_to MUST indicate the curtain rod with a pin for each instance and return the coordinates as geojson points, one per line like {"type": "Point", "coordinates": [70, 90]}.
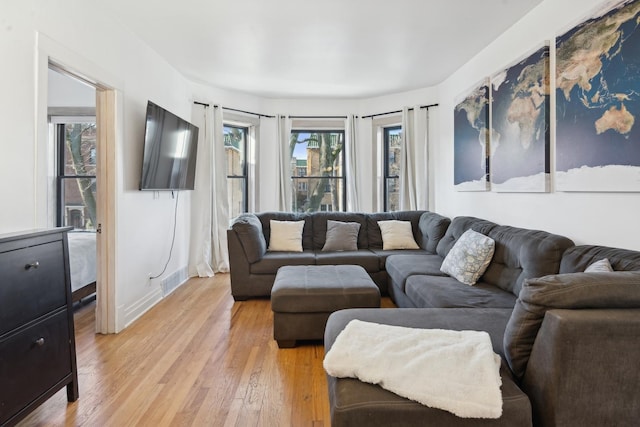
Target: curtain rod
{"type": "Point", "coordinates": [234, 109]}
{"type": "Point", "coordinates": [318, 117]}
{"type": "Point", "coordinates": [397, 111]}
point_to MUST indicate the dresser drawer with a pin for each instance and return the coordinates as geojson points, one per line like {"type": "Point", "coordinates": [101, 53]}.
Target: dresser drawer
{"type": "Point", "coordinates": [33, 360]}
{"type": "Point", "coordinates": [32, 283]}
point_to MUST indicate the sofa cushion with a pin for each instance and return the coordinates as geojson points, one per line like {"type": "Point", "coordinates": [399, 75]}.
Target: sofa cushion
{"type": "Point", "coordinates": [341, 236]}
{"type": "Point", "coordinates": [457, 228]}
{"type": "Point", "coordinates": [383, 255]}
{"type": "Point", "coordinates": [522, 254]}
{"type": "Point", "coordinates": [444, 292]}
{"type": "Point", "coordinates": [320, 220]}
{"type": "Point", "coordinates": [249, 231]}
{"type": "Point", "coordinates": [577, 258]}
{"type": "Point", "coordinates": [356, 403]}
{"type": "Point", "coordinates": [433, 228]}
{"type": "Point", "coordinates": [564, 291]}
{"type": "Point", "coordinates": [285, 236]}
{"type": "Point", "coordinates": [469, 257]}
{"type": "Point", "coordinates": [364, 258]}
{"type": "Point", "coordinates": [401, 267]}
{"type": "Point", "coordinates": [272, 261]}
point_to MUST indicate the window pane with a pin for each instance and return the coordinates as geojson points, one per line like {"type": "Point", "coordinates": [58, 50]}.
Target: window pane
{"type": "Point", "coordinates": [392, 193]}
{"type": "Point", "coordinates": [236, 192]}
{"type": "Point", "coordinates": [317, 169]}
{"type": "Point", "coordinates": [234, 145]}
{"type": "Point", "coordinates": [393, 152]}
{"type": "Point", "coordinates": [80, 149]}
{"type": "Point", "coordinates": [79, 203]}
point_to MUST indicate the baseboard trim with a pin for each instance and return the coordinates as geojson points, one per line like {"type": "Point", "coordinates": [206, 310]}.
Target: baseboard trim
{"type": "Point", "coordinates": [140, 307]}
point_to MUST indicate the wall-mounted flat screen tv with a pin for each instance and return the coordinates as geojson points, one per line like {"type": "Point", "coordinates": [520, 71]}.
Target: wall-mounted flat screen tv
{"type": "Point", "coordinates": [170, 148]}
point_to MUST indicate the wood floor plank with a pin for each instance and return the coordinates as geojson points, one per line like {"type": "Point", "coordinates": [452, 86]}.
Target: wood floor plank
{"type": "Point", "coordinates": [195, 359]}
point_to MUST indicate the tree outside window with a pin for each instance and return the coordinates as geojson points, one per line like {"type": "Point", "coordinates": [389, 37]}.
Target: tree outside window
{"type": "Point", "coordinates": [392, 147]}
{"type": "Point", "coordinates": [317, 159]}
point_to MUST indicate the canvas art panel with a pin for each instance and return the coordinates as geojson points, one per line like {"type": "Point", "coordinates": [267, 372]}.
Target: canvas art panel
{"type": "Point", "coordinates": [598, 101]}
{"type": "Point", "coordinates": [519, 139]}
{"type": "Point", "coordinates": [471, 139]}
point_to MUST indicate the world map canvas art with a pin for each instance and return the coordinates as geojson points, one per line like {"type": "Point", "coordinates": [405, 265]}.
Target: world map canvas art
{"type": "Point", "coordinates": [598, 101]}
{"type": "Point", "coordinates": [471, 139]}
{"type": "Point", "coordinates": [520, 125]}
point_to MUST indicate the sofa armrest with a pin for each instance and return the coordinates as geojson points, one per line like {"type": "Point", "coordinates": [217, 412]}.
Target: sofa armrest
{"type": "Point", "coordinates": [583, 368]}
{"type": "Point", "coordinates": [248, 229]}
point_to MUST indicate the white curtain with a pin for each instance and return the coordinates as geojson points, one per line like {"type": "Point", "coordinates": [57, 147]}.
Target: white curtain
{"type": "Point", "coordinates": [413, 162]}
{"type": "Point", "coordinates": [209, 203]}
{"type": "Point", "coordinates": [283, 136]}
{"type": "Point", "coordinates": [352, 172]}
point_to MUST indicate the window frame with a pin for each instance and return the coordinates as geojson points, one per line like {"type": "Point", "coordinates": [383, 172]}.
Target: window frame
{"type": "Point", "coordinates": [245, 166]}
{"type": "Point", "coordinates": [343, 177]}
{"type": "Point", "coordinates": [387, 177]}
{"type": "Point", "coordinates": [59, 129]}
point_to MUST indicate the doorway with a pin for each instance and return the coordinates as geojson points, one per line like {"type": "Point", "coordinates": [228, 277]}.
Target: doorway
{"type": "Point", "coordinates": [82, 145]}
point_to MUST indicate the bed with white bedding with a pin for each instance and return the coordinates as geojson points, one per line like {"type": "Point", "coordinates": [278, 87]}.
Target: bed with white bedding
{"type": "Point", "coordinates": [82, 263]}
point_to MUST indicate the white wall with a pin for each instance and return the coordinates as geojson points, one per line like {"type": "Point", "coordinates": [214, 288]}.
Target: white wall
{"type": "Point", "coordinates": [587, 218]}
{"type": "Point", "coordinates": [79, 36]}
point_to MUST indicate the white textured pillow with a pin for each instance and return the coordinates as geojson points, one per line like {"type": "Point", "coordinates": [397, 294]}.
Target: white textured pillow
{"type": "Point", "coordinates": [397, 235]}
{"type": "Point", "coordinates": [602, 266]}
{"type": "Point", "coordinates": [286, 236]}
{"type": "Point", "coordinates": [469, 257]}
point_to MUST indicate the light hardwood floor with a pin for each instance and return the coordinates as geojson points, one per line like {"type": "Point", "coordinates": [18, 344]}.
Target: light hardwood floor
{"type": "Point", "coordinates": [196, 359]}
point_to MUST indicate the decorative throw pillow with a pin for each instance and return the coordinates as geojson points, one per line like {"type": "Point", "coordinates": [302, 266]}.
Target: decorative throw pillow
{"type": "Point", "coordinates": [286, 236]}
{"type": "Point", "coordinates": [602, 266]}
{"type": "Point", "coordinates": [397, 235]}
{"type": "Point", "coordinates": [341, 236]}
{"type": "Point", "coordinates": [469, 257]}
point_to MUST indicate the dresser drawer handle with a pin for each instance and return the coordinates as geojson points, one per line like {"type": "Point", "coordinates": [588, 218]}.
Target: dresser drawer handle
{"type": "Point", "coordinates": [40, 342]}
{"type": "Point", "coordinates": [34, 265]}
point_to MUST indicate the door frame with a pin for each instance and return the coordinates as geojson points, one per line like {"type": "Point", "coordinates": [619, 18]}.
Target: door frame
{"type": "Point", "coordinates": [108, 108]}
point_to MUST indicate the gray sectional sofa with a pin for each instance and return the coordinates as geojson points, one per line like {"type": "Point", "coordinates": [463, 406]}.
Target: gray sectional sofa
{"type": "Point", "coordinates": [253, 268]}
{"type": "Point", "coordinates": [569, 341]}
{"type": "Point", "coordinates": [569, 346]}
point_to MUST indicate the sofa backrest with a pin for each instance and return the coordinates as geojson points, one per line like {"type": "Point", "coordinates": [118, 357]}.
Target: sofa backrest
{"type": "Point", "coordinates": [433, 228]}
{"type": "Point", "coordinates": [458, 226]}
{"type": "Point", "coordinates": [522, 254]}
{"type": "Point", "coordinates": [576, 259]}
{"type": "Point", "coordinates": [307, 232]}
{"type": "Point", "coordinates": [369, 236]}
{"type": "Point", "coordinates": [319, 223]}
{"type": "Point", "coordinates": [374, 234]}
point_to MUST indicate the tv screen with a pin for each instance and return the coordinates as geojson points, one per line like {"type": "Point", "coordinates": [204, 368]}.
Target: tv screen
{"type": "Point", "coordinates": [170, 147]}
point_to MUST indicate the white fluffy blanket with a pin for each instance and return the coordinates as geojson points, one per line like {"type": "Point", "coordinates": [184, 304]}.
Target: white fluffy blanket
{"type": "Point", "coordinates": [456, 371]}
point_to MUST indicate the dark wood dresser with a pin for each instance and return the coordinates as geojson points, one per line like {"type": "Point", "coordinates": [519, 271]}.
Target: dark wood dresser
{"type": "Point", "coordinates": [37, 342]}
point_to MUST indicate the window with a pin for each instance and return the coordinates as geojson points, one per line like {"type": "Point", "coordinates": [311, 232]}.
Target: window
{"type": "Point", "coordinates": [235, 147]}
{"type": "Point", "coordinates": [317, 159]}
{"type": "Point", "coordinates": [392, 137]}
{"type": "Point", "coordinates": [76, 175]}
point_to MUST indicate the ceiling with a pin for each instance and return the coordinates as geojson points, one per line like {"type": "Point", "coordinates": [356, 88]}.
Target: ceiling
{"type": "Point", "coordinates": [318, 49]}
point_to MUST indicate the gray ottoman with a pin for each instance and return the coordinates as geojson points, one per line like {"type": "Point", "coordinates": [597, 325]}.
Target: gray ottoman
{"type": "Point", "coordinates": [303, 297]}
